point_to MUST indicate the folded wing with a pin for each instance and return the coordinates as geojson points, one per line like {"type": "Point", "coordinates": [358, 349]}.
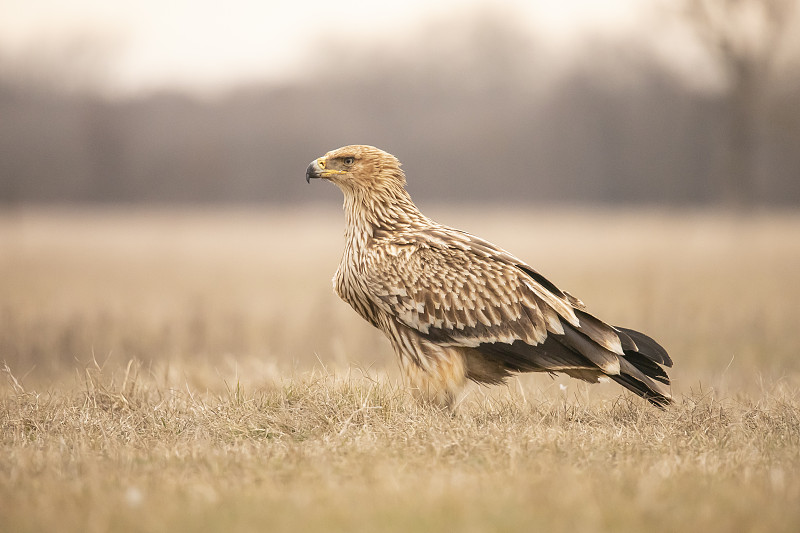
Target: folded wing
{"type": "Point", "coordinates": [455, 289]}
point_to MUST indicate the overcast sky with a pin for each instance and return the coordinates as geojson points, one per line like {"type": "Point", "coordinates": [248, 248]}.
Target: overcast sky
{"type": "Point", "coordinates": [213, 44]}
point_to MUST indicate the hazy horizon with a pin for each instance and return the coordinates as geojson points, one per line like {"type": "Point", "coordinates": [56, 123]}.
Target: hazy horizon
{"type": "Point", "coordinates": [692, 102]}
{"type": "Point", "coordinates": [208, 48]}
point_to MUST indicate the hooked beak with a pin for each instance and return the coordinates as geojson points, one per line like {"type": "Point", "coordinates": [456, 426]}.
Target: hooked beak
{"type": "Point", "coordinates": [314, 169]}
{"type": "Point", "coordinates": [318, 170]}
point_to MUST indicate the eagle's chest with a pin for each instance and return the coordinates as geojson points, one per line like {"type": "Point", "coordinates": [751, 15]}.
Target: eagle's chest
{"type": "Point", "coordinates": [351, 281]}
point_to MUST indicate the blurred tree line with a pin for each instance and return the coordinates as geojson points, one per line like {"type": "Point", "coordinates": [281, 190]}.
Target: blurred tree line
{"type": "Point", "coordinates": [474, 115]}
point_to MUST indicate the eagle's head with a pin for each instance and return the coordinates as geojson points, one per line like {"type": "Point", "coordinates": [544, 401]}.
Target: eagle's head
{"type": "Point", "coordinates": [358, 168]}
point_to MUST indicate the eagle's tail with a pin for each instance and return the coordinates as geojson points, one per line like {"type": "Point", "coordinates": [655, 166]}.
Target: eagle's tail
{"type": "Point", "coordinates": [646, 361]}
{"type": "Point", "coordinates": [573, 353]}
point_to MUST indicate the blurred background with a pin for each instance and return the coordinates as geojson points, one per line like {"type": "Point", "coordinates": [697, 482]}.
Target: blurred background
{"type": "Point", "coordinates": [643, 155]}
{"type": "Point", "coordinates": [667, 102]}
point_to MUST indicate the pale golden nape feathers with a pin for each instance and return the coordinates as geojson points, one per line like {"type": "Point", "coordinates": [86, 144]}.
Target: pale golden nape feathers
{"type": "Point", "coordinates": [456, 307]}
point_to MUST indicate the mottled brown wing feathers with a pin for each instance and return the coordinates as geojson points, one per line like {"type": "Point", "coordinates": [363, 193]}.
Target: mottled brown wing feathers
{"type": "Point", "coordinates": [453, 303]}
{"type": "Point", "coordinates": [458, 292]}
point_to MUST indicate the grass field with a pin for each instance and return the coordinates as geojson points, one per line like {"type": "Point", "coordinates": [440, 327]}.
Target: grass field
{"type": "Point", "coordinates": [192, 371]}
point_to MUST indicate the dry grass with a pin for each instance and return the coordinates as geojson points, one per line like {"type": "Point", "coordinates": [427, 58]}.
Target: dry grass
{"type": "Point", "coordinates": [235, 393]}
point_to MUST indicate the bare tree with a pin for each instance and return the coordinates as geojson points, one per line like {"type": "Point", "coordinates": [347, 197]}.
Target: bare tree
{"type": "Point", "coordinates": [746, 37]}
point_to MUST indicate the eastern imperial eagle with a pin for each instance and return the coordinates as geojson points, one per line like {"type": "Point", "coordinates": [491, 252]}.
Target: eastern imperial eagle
{"type": "Point", "coordinates": [456, 307]}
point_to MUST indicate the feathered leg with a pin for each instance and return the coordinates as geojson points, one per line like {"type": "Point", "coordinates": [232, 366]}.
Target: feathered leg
{"type": "Point", "coordinates": [438, 377]}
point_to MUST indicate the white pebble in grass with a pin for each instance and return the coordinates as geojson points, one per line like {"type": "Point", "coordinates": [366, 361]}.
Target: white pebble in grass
{"type": "Point", "coordinates": [134, 497]}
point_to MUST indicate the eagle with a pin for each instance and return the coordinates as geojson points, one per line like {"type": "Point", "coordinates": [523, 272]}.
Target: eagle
{"type": "Point", "coordinates": [456, 307]}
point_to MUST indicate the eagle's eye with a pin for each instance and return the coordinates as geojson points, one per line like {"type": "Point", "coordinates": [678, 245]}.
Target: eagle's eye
{"type": "Point", "coordinates": [349, 160]}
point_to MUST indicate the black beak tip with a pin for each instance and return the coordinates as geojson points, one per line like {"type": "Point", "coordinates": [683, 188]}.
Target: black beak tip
{"type": "Point", "coordinates": [310, 172]}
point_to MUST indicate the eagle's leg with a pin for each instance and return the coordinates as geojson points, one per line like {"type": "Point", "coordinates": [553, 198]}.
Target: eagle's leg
{"type": "Point", "coordinates": [437, 376]}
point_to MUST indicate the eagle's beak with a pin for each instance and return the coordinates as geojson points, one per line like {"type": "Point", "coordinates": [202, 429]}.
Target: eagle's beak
{"type": "Point", "coordinates": [315, 169]}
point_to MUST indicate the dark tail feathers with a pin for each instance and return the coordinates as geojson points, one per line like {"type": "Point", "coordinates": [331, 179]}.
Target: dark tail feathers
{"type": "Point", "coordinates": [645, 360]}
